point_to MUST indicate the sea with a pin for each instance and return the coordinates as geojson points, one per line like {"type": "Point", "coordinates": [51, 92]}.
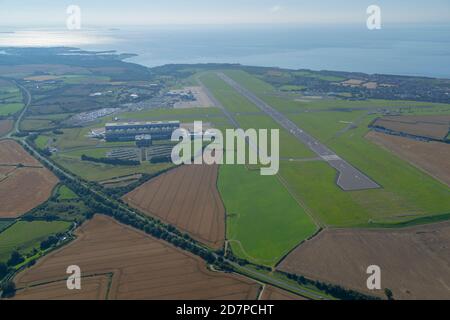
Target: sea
{"type": "Point", "coordinates": [419, 50]}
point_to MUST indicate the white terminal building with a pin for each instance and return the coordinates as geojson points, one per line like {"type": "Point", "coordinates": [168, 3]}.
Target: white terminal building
{"type": "Point", "coordinates": [133, 131]}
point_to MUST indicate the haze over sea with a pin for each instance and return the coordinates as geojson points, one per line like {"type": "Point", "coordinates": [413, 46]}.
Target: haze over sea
{"type": "Point", "coordinates": [407, 50]}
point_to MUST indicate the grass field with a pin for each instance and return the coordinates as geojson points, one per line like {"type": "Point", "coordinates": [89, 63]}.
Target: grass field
{"type": "Point", "coordinates": [289, 104]}
{"type": "Point", "coordinates": [231, 99]}
{"type": "Point", "coordinates": [290, 147]}
{"type": "Point", "coordinates": [10, 108]}
{"type": "Point", "coordinates": [239, 106]}
{"type": "Point", "coordinates": [5, 224]}
{"type": "Point", "coordinates": [264, 222]}
{"type": "Point", "coordinates": [41, 141]}
{"type": "Point", "coordinates": [25, 236]}
{"type": "Point", "coordinates": [64, 193]}
{"type": "Point", "coordinates": [406, 194]}
{"type": "Point", "coordinates": [95, 152]}
{"type": "Point", "coordinates": [34, 125]}
{"type": "Point", "coordinates": [10, 100]}
{"type": "Point", "coordinates": [99, 172]}
{"type": "Point", "coordinates": [310, 74]}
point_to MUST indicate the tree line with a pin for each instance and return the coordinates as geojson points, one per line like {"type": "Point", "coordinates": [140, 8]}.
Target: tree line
{"type": "Point", "coordinates": [112, 161]}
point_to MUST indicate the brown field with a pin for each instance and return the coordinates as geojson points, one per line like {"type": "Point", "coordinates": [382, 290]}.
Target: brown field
{"type": "Point", "coordinates": [432, 157]}
{"type": "Point", "coordinates": [5, 126]}
{"type": "Point", "coordinates": [6, 171]}
{"type": "Point", "coordinates": [272, 293]}
{"type": "Point", "coordinates": [93, 288]}
{"type": "Point", "coordinates": [434, 127]}
{"type": "Point", "coordinates": [22, 188]}
{"type": "Point", "coordinates": [414, 262]}
{"type": "Point", "coordinates": [186, 197]}
{"type": "Point", "coordinates": [138, 266]}
{"type": "Point", "coordinates": [12, 153]}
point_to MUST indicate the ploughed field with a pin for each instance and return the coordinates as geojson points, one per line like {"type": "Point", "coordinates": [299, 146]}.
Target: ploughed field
{"type": "Point", "coordinates": [93, 288]}
{"type": "Point", "coordinates": [5, 126]}
{"type": "Point", "coordinates": [414, 262]}
{"type": "Point", "coordinates": [24, 183]}
{"type": "Point", "coordinates": [432, 157]}
{"type": "Point", "coordinates": [187, 198]}
{"type": "Point", "coordinates": [434, 127]}
{"type": "Point", "coordinates": [118, 262]}
{"type": "Point", "coordinates": [11, 153]}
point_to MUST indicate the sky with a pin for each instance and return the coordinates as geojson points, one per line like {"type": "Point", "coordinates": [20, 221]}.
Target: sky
{"type": "Point", "coordinates": [113, 13]}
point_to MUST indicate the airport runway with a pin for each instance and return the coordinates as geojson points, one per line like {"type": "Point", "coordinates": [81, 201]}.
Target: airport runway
{"type": "Point", "coordinates": [349, 178]}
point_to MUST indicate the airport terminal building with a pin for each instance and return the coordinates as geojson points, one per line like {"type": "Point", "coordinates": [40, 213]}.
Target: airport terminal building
{"type": "Point", "coordinates": [130, 131]}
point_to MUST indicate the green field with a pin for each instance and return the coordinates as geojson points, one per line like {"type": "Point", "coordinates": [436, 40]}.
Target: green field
{"type": "Point", "coordinates": [84, 79]}
{"type": "Point", "coordinates": [290, 104]}
{"type": "Point", "coordinates": [64, 193]}
{"type": "Point", "coordinates": [406, 194]}
{"type": "Point", "coordinates": [41, 141]}
{"type": "Point", "coordinates": [25, 236]}
{"type": "Point", "coordinates": [235, 103]}
{"type": "Point", "coordinates": [10, 100]}
{"type": "Point", "coordinates": [231, 99]}
{"type": "Point", "coordinates": [290, 147]}
{"type": "Point", "coordinates": [95, 152]}
{"type": "Point", "coordinates": [99, 172]}
{"type": "Point", "coordinates": [264, 222]}
{"type": "Point", "coordinates": [317, 75]}
{"type": "Point", "coordinates": [10, 108]}
{"type": "Point", "coordinates": [5, 224]}
{"type": "Point", "coordinates": [35, 125]}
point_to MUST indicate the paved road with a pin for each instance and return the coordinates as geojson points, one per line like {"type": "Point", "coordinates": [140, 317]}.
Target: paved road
{"type": "Point", "coordinates": [16, 128]}
{"type": "Point", "coordinates": [349, 178]}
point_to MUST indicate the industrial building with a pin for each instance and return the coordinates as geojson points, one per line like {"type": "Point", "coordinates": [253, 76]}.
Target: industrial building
{"type": "Point", "coordinates": [134, 131]}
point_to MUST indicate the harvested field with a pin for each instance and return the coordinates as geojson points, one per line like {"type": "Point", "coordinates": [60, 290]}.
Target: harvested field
{"type": "Point", "coordinates": [94, 288]}
{"type": "Point", "coordinates": [432, 157]}
{"type": "Point", "coordinates": [5, 171]}
{"type": "Point", "coordinates": [433, 127]}
{"type": "Point", "coordinates": [140, 267]}
{"type": "Point", "coordinates": [12, 153]}
{"type": "Point", "coordinates": [186, 197]}
{"type": "Point", "coordinates": [5, 126]}
{"type": "Point", "coordinates": [272, 293]}
{"type": "Point", "coordinates": [414, 262]}
{"type": "Point", "coordinates": [24, 189]}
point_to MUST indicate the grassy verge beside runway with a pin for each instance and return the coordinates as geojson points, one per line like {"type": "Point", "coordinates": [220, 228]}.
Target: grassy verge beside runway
{"type": "Point", "coordinates": [264, 222]}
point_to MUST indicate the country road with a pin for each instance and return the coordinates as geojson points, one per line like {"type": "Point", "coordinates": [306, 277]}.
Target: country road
{"type": "Point", "coordinates": [16, 128]}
